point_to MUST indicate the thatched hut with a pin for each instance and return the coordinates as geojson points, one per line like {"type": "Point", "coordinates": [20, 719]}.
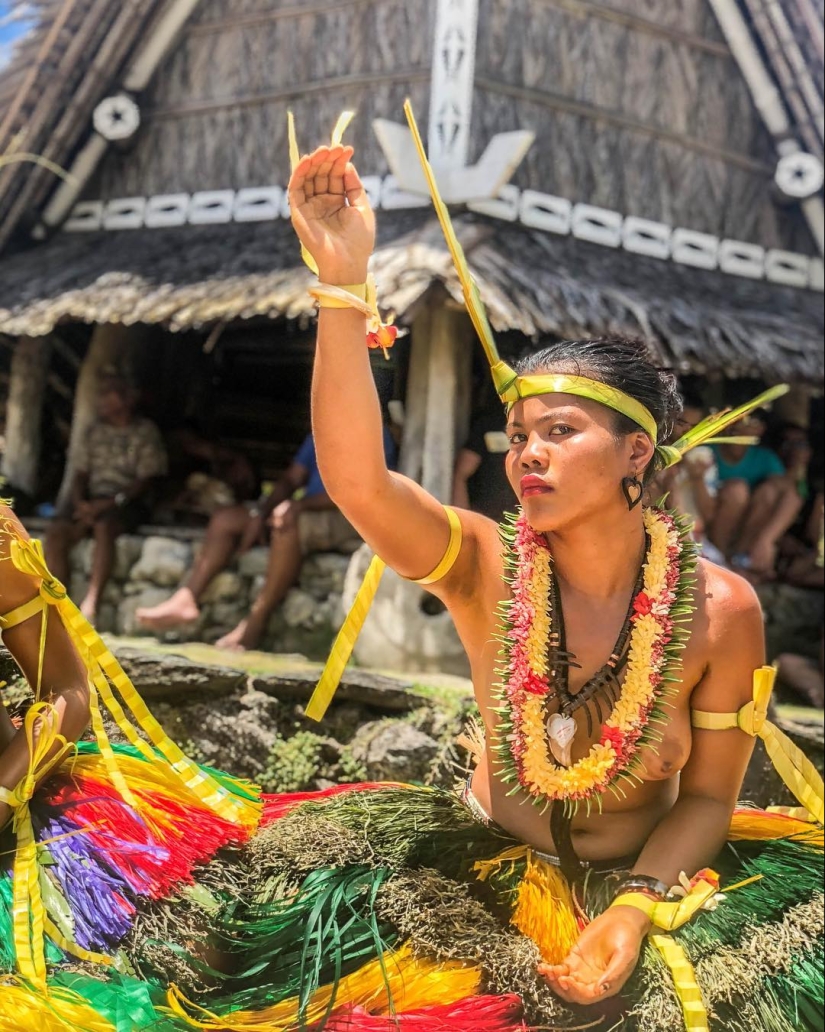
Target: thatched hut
{"type": "Point", "coordinates": [650, 202]}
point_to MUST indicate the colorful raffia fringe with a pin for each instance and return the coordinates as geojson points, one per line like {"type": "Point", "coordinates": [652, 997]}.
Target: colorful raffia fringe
{"type": "Point", "coordinates": [275, 806]}
{"type": "Point", "coordinates": [479, 1013]}
{"type": "Point", "coordinates": [99, 858]}
{"type": "Point", "coordinates": [544, 910]}
{"type": "Point", "coordinates": [393, 983]}
{"type": "Point", "coordinates": [23, 1008]}
{"type": "Point", "coordinates": [763, 826]}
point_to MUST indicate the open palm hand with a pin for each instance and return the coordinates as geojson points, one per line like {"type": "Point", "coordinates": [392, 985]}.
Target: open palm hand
{"type": "Point", "coordinates": [602, 960]}
{"type": "Point", "coordinates": [331, 214]}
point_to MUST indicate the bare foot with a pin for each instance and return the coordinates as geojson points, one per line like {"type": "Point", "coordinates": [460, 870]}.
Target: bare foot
{"type": "Point", "coordinates": [234, 641]}
{"type": "Point", "coordinates": [88, 607]}
{"type": "Point", "coordinates": [245, 636]}
{"type": "Point", "coordinates": [181, 608]}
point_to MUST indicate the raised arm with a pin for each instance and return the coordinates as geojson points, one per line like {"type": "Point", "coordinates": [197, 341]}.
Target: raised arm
{"type": "Point", "coordinates": [398, 519]}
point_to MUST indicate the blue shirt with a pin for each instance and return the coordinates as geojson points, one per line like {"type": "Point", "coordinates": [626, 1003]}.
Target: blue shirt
{"type": "Point", "coordinates": [306, 458]}
{"type": "Point", "coordinates": [756, 465]}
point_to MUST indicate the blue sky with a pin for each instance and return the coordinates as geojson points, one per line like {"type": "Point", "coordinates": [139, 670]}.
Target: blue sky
{"type": "Point", "coordinates": [11, 26]}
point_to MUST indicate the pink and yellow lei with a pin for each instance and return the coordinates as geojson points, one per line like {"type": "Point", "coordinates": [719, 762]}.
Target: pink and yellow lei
{"type": "Point", "coordinates": [659, 607]}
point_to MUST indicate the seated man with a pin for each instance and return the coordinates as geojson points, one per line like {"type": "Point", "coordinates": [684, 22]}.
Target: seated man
{"type": "Point", "coordinates": [235, 529]}
{"type": "Point", "coordinates": [204, 476]}
{"type": "Point", "coordinates": [116, 467]}
{"type": "Point", "coordinates": [758, 501]}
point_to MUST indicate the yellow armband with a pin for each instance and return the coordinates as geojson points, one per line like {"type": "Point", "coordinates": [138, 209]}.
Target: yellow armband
{"type": "Point", "coordinates": [345, 642]}
{"type": "Point", "coordinates": [792, 765]}
{"type": "Point", "coordinates": [450, 556]}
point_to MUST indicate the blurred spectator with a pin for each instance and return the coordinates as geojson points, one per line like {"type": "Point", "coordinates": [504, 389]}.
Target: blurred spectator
{"type": "Point", "coordinates": [116, 469]}
{"type": "Point", "coordinates": [794, 607]}
{"type": "Point", "coordinates": [203, 477]}
{"type": "Point", "coordinates": [804, 676]}
{"type": "Point", "coordinates": [691, 486]}
{"type": "Point", "coordinates": [758, 500]}
{"type": "Point", "coordinates": [297, 518]}
{"type": "Point", "coordinates": [480, 482]}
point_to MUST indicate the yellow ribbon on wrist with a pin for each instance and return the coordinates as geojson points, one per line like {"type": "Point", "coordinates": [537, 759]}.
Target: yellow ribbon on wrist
{"type": "Point", "coordinates": [333, 296]}
{"type": "Point", "coordinates": [670, 916]}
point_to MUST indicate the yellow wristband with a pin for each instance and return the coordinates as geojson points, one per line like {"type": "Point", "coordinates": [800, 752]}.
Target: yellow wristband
{"type": "Point", "coordinates": [329, 296]}
{"type": "Point", "coordinates": [637, 900]}
{"type": "Point", "coordinates": [671, 915]}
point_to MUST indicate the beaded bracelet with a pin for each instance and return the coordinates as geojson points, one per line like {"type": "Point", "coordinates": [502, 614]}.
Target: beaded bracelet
{"type": "Point", "coordinates": [643, 885]}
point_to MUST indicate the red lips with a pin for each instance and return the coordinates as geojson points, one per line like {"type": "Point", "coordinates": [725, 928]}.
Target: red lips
{"type": "Point", "coordinates": [533, 485]}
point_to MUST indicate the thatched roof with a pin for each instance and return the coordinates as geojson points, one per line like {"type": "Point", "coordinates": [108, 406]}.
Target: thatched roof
{"type": "Point", "coordinates": [60, 69]}
{"type": "Point", "coordinates": [791, 34]}
{"type": "Point", "coordinates": [639, 107]}
{"type": "Point", "coordinates": [534, 283]}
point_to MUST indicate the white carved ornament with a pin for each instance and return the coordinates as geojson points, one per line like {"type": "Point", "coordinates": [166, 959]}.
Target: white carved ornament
{"type": "Point", "coordinates": [117, 117]}
{"type": "Point", "coordinates": [800, 175]}
{"type": "Point", "coordinates": [451, 110]}
{"type": "Point", "coordinates": [531, 208]}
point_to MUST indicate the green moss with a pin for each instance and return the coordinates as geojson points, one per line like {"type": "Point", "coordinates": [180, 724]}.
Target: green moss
{"type": "Point", "coordinates": [294, 763]}
{"type": "Point", "coordinates": [351, 769]}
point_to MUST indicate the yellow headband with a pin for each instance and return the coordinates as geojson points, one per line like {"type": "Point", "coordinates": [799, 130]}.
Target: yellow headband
{"type": "Point", "coordinates": [511, 388]}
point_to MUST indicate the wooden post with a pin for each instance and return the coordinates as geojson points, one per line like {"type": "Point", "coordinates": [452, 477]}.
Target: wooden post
{"type": "Point", "coordinates": [415, 405]}
{"type": "Point", "coordinates": [449, 372]}
{"type": "Point", "coordinates": [24, 412]}
{"type": "Point", "coordinates": [111, 347]}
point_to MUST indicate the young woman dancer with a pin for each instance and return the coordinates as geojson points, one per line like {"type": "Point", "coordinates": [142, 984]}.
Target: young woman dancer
{"type": "Point", "coordinates": [620, 682]}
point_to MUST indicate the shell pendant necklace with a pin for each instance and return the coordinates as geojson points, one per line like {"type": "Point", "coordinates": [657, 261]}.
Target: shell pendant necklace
{"type": "Point", "coordinates": [602, 689]}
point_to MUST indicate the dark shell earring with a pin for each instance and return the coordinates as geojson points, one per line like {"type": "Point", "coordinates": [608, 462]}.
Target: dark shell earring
{"type": "Point", "coordinates": [633, 491]}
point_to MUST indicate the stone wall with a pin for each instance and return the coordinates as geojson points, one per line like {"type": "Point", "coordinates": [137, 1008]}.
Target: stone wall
{"type": "Point", "coordinates": [149, 569]}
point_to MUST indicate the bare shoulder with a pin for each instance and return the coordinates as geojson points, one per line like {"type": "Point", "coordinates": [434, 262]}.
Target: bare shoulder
{"type": "Point", "coordinates": [733, 613]}
{"type": "Point", "coordinates": [726, 592]}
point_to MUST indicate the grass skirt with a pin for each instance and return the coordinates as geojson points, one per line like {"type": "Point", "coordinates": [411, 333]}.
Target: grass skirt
{"type": "Point", "coordinates": [373, 908]}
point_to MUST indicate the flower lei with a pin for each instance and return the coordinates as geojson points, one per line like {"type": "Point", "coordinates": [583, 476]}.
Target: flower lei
{"type": "Point", "coordinates": [657, 636]}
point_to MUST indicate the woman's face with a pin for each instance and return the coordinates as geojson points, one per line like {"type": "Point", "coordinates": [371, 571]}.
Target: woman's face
{"type": "Point", "coordinates": [565, 461]}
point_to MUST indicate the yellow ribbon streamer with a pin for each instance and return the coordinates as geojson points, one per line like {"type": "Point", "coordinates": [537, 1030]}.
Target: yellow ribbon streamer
{"type": "Point", "coordinates": [670, 916]}
{"type": "Point", "coordinates": [345, 642]}
{"type": "Point", "coordinates": [60, 1011]}
{"type": "Point", "coordinates": [348, 635]}
{"type": "Point", "coordinates": [792, 765]}
{"type": "Point", "coordinates": [47, 749]}
{"type": "Point", "coordinates": [684, 980]}
{"type": "Point", "coordinates": [104, 672]}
